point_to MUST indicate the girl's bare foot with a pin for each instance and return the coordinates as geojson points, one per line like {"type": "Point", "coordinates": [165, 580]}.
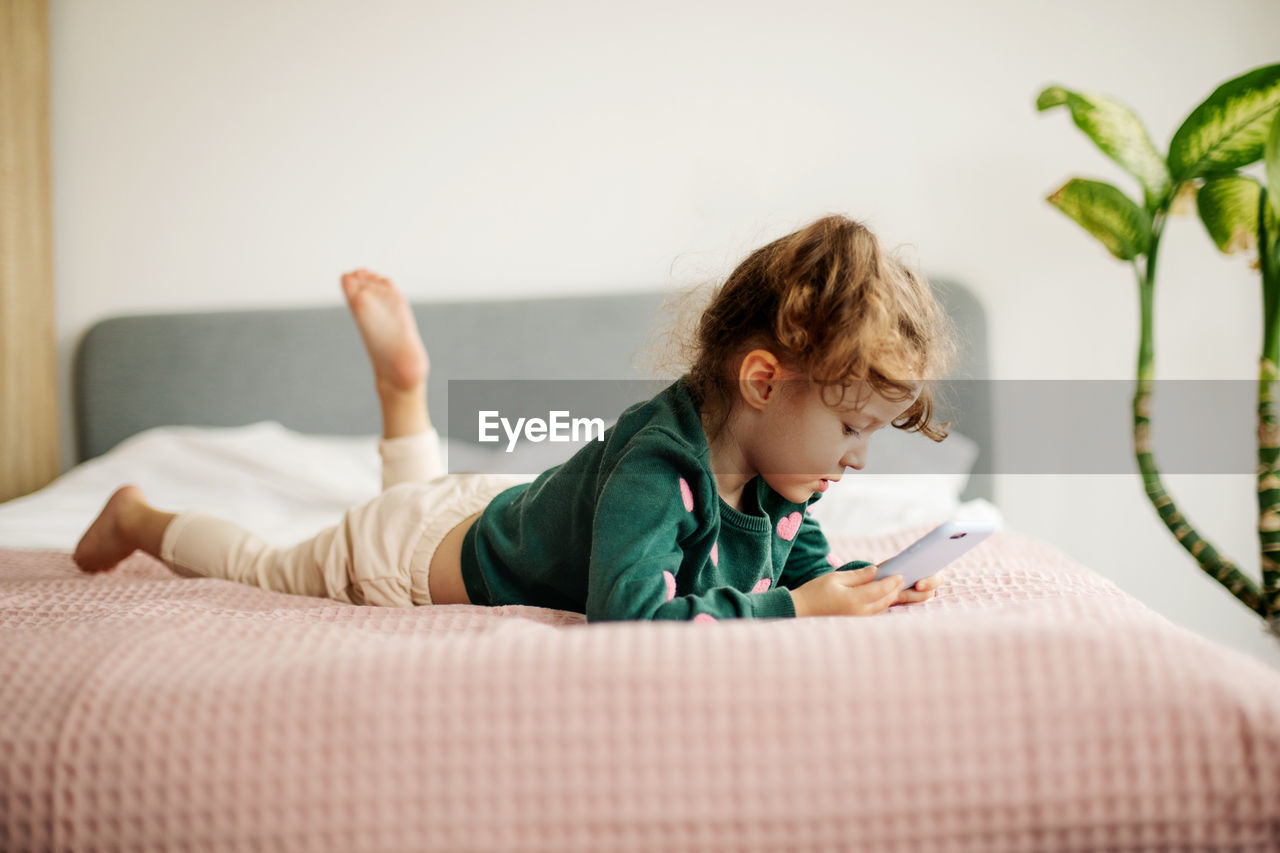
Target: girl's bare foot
{"type": "Point", "coordinates": [387, 327]}
{"type": "Point", "coordinates": [110, 538]}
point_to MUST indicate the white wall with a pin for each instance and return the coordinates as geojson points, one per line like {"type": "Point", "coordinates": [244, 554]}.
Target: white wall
{"type": "Point", "coordinates": [229, 154]}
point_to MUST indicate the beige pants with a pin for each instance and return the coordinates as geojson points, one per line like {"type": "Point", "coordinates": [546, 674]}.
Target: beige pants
{"type": "Point", "coordinates": [378, 554]}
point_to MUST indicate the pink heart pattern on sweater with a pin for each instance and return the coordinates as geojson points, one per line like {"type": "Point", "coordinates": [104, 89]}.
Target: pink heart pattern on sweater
{"type": "Point", "coordinates": [715, 553]}
{"type": "Point", "coordinates": [670, 580]}
{"type": "Point", "coordinates": [762, 585]}
{"type": "Point", "coordinates": [686, 494]}
{"type": "Point", "coordinates": [704, 617]}
{"type": "Point", "coordinates": [789, 526]}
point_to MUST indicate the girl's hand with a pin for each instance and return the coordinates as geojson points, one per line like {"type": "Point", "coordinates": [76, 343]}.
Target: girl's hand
{"type": "Point", "coordinates": [922, 591]}
{"type": "Point", "coordinates": [849, 593]}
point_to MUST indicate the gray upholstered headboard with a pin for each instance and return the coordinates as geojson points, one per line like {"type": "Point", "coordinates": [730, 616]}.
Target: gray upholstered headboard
{"type": "Point", "coordinates": [306, 367]}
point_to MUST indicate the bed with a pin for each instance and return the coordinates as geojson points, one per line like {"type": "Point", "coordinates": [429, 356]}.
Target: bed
{"type": "Point", "coordinates": [1031, 705]}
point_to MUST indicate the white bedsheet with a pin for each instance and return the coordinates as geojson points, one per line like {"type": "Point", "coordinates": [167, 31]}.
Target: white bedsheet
{"type": "Point", "coordinates": [285, 486]}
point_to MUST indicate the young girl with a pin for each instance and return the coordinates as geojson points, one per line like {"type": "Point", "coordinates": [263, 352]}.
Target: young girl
{"type": "Point", "coordinates": [693, 506]}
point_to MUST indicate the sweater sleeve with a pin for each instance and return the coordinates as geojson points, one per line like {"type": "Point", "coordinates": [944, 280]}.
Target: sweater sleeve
{"type": "Point", "coordinates": [810, 555]}
{"type": "Point", "coordinates": [645, 510]}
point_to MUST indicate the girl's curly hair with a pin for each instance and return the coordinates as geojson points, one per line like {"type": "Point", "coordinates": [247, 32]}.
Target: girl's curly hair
{"type": "Point", "coordinates": [832, 305]}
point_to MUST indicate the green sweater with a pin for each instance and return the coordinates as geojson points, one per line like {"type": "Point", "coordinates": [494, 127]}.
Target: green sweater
{"type": "Point", "coordinates": [632, 527]}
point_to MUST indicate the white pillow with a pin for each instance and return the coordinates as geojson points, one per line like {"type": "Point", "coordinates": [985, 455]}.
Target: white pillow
{"type": "Point", "coordinates": [908, 480]}
{"type": "Point", "coordinates": [281, 484]}
{"type": "Point", "coordinates": [287, 486]}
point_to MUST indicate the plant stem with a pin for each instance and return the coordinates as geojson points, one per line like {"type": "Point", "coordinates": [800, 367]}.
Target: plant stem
{"type": "Point", "coordinates": [1215, 565]}
{"type": "Point", "coordinates": [1268, 434]}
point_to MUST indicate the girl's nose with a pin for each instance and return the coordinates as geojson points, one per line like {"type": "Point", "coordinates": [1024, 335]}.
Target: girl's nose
{"type": "Point", "coordinates": [854, 459]}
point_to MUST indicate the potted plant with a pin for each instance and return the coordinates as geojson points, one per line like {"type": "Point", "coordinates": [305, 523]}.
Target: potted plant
{"type": "Point", "coordinates": [1233, 128]}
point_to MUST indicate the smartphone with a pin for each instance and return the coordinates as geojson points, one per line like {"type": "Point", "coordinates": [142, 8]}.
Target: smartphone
{"type": "Point", "coordinates": [935, 549]}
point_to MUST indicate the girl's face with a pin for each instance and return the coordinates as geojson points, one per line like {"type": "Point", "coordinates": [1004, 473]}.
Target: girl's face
{"type": "Point", "coordinates": [802, 443]}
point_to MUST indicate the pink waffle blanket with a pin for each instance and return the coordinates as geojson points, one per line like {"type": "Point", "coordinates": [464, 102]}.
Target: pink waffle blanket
{"type": "Point", "coordinates": [1032, 705]}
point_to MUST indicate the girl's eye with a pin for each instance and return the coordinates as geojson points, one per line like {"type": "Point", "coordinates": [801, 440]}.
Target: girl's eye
{"type": "Point", "coordinates": [848, 430]}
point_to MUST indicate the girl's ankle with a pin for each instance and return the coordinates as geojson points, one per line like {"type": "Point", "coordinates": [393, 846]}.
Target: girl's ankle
{"type": "Point", "coordinates": [130, 517]}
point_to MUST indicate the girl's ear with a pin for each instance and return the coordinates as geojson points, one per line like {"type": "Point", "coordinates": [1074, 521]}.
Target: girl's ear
{"type": "Point", "coordinates": [760, 378]}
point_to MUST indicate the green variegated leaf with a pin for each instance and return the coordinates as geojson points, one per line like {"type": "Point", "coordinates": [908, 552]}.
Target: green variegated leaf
{"type": "Point", "coordinates": [1117, 131]}
{"type": "Point", "coordinates": [1106, 213]}
{"type": "Point", "coordinates": [1229, 129]}
{"type": "Point", "coordinates": [1272, 156]}
{"type": "Point", "coordinates": [1228, 206]}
